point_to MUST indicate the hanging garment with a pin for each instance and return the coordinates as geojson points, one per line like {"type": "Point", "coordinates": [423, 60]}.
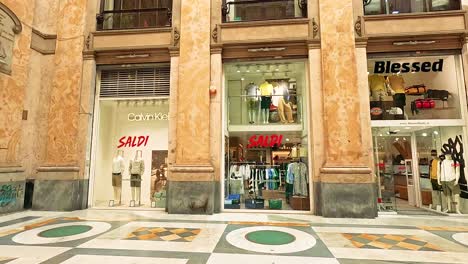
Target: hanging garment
{"type": "Point", "coordinates": [300, 178]}
{"type": "Point", "coordinates": [449, 170]}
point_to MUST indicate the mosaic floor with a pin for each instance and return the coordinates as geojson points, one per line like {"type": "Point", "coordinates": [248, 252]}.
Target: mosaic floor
{"type": "Point", "coordinates": [112, 236]}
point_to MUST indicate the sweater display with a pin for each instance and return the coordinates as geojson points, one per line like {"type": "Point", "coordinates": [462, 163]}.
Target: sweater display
{"type": "Point", "coordinates": [136, 167]}
{"type": "Point", "coordinates": [449, 170]}
{"type": "Point", "coordinates": [118, 165]}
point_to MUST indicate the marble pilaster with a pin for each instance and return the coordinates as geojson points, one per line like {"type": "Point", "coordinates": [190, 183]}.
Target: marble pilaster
{"type": "Point", "coordinates": [347, 187]}
{"type": "Point", "coordinates": [191, 177]}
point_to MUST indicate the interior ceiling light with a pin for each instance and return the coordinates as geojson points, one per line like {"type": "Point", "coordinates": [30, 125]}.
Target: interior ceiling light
{"type": "Point", "coordinates": [414, 42]}
{"type": "Point", "coordinates": [424, 134]}
{"type": "Point", "coordinates": [258, 68]}
{"type": "Point", "coordinates": [266, 49]}
{"type": "Point", "coordinates": [237, 68]}
{"type": "Point", "coordinates": [436, 133]}
{"type": "Point", "coordinates": [129, 56]}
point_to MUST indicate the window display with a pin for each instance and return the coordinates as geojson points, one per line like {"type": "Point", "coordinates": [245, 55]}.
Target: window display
{"type": "Point", "coordinates": [131, 157]}
{"type": "Point", "coordinates": [434, 154]}
{"type": "Point", "coordinates": [261, 93]}
{"type": "Point", "coordinates": [377, 7]}
{"type": "Point", "coordinates": [266, 139]}
{"type": "Point", "coordinates": [415, 88]}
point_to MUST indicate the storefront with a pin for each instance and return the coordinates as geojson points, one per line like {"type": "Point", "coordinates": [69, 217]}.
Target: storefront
{"type": "Point", "coordinates": [266, 136]}
{"type": "Point", "coordinates": [418, 108]}
{"type": "Point", "coordinates": [130, 138]}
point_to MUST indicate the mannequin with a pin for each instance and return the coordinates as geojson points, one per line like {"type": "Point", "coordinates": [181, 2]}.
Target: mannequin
{"type": "Point", "coordinates": [397, 84]}
{"type": "Point", "coordinates": [252, 92]}
{"type": "Point", "coordinates": [283, 104]}
{"type": "Point", "coordinates": [136, 169]}
{"type": "Point", "coordinates": [118, 167]}
{"type": "Point", "coordinates": [377, 87]}
{"type": "Point", "coordinates": [448, 176]}
{"type": "Point", "coordinates": [436, 188]}
{"type": "Point", "coordinates": [266, 90]}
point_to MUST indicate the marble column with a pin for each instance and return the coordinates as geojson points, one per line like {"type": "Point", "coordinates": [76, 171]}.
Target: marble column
{"type": "Point", "coordinates": [13, 89]}
{"type": "Point", "coordinates": [347, 184]}
{"type": "Point", "coordinates": [191, 178]}
{"type": "Point", "coordinates": [60, 180]}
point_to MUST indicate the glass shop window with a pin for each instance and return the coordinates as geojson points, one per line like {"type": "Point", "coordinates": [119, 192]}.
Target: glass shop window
{"type": "Point", "coordinates": [380, 7]}
{"type": "Point", "coordinates": [414, 88]}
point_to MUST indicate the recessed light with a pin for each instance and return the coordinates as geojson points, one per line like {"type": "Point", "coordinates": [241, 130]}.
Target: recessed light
{"type": "Point", "coordinates": [424, 134]}
{"type": "Point", "coordinates": [287, 139]}
{"type": "Point", "coordinates": [436, 132]}
{"type": "Point", "coordinates": [242, 78]}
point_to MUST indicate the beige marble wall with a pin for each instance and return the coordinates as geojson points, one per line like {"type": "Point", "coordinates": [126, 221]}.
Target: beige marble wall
{"type": "Point", "coordinates": [216, 111]}
{"type": "Point", "coordinates": [193, 130]}
{"type": "Point", "coordinates": [33, 151]}
{"type": "Point", "coordinates": [345, 146]}
{"type": "Point", "coordinates": [64, 108]}
{"type": "Point", "coordinates": [45, 19]}
{"type": "Point", "coordinates": [174, 82]}
{"type": "Point", "coordinates": [13, 87]}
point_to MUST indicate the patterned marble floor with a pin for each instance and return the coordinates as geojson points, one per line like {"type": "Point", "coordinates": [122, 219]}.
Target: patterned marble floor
{"type": "Point", "coordinates": [112, 236]}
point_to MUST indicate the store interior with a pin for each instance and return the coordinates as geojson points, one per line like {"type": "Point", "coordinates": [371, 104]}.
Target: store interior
{"type": "Point", "coordinates": [415, 88]}
{"type": "Point", "coordinates": [266, 139]}
{"type": "Point", "coordinates": [409, 168]}
{"type": "Point", "coordinates": [130, 168]}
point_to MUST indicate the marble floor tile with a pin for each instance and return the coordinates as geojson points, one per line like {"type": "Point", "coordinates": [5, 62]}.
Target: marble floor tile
{"type": "Point", "coordinates": [30, 254]}
{"type": "Point", "coordinates": [205, 241]}
{"type": "Point", "coordinates": [98, 259]}
{"type": "Point", "coordinates": [217, 258]}
{"type": "Point", "coordinates": [400, 255]}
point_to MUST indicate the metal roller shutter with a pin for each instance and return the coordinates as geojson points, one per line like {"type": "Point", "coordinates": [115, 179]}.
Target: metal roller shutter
{"type": "Point", "coordinates": [140, 82]}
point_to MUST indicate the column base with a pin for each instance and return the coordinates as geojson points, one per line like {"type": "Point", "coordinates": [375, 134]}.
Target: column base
{"type": "Point", "coordinates": [348, 192]}
{"type": "Point", "coordinates": [12, 189]}
{"type": "Point", "coordinates": [58, 189]}
{"type": "Point", "coordinates": [191, 190]}
{"type": "Point", "coordinates": [348, 200]}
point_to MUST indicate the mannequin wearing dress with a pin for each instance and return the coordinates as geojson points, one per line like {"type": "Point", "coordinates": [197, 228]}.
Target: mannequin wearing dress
{"type": "Point", "coordinates": [136, 169]}
{"type": "Point", "coordinates": [448, 176]}
{"type": "Point", "coordinates": [118, 167]}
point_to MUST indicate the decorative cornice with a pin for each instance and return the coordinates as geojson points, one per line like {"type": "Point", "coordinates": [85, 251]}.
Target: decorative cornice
{"type": "Point", "coordinates": [89, 55]}
{"type": "Point", "coordinates": [358, 26]}
{"type": "Point", "coordinates": [313, 44]}
{"type": "Point", "coordinates": [176, 36]}
{"type": "Point", "coordinates": [18, 27]}
{"type": "Point", "coordinates": [191, 168]}
{"type": "Point", "coordinates": [216, 49]}
{"type": "Point", "coordinates": [361, 42]}
{"type": "Point", "coordinates": [214, 34]}
{"type": "Point", "coordinates": [43, 43]}
{"type": "Point", "coordinates": [346, 170]}
{"type": "Point", "coordinates": [12, 169]}
{"type": "Point", "coordinates": [131, 31]}
{"type": "Point", "coordinates": [315, 28]}
{"type": "Point", "coordinates": [58, 169]}
{"type": "Point", "coordinates": [265, 23]}
{"type": "Point", "coordinates": [415, 15]}
{"type": "Point", "coordinates": [174, 51]}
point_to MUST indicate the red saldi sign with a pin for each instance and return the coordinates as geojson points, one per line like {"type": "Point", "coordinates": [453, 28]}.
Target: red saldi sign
{"type": "Point", "coordinates": [132, 141]}
{"type": "Point", "coordinates": [264, 141]}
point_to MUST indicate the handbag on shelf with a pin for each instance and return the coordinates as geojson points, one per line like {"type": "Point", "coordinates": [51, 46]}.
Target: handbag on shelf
{"type": "Point", "coordinates": [438, 94]}
{"type": "Point", "coordinates": [424, 103]}
{"type": "Point", "coordinates": [418, 89]}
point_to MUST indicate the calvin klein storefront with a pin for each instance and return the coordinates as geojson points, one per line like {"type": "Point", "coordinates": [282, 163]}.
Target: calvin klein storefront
{"type": "Point", "coordinates": [418, 113]}
{"type": "Point", "coordinates": [130, 137]}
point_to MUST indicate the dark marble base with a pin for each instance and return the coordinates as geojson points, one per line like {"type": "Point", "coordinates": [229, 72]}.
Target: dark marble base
{"type": "Point", "coordinates": [53, 195]}
{"type": "Point", "coordinates": [11, 196]}
{"type": "Point", "coordinates": [357, 200]}
{"type": "Point", "coordinates": [217, 197]}
{"type": "Point", "coordinates": [190, 197]}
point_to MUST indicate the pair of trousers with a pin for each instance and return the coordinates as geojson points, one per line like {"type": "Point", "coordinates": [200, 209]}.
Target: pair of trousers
{"type": "Point", "coordinates": [285, 111]}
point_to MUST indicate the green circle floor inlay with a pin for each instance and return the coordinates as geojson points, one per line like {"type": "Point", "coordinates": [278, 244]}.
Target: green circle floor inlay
{"type": "Point", "coordinates": [270, 237]}
{"type": "Point", "coordinates": [65, 231]}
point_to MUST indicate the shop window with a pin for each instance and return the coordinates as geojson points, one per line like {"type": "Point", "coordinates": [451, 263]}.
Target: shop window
{"type": "Point", "coordinates": [266, 139]}
{"type": "Point", "coordinates": [132, 14]}
{"type": "Point", "coordinates": [131, 149]}
{"type": "Point", "coordinates": [266, 93]}
{"type": "Point", "coordinates": [410, 169]}
{"type": "Point", "coordinates": [252, 10]}
{"type": "Point", "coordinates": [415, 88]}
{"type": "Point", "coordinates": [378, 7]}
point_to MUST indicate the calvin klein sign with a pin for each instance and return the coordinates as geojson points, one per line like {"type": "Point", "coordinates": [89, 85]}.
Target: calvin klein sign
{"type": "Point", "coordinates": [133, 117]}
{"type": "Point", "coordinates": [389, 67]}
